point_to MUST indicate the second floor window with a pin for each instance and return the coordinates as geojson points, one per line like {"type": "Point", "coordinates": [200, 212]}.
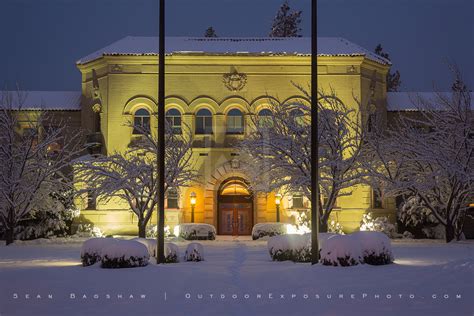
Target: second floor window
{"type": "Point", "coordinates": [173, 117]}
{"type": "Point", "coordinates": [141, 122]}
{"type": "Point", "coordinates": [235, 122]}
{"type": "Point", "coordinates": [265, 118]}
{"type": "Point", "coordinates": [298, 201]}
{"type": "Point", "coordinates": [204, 122]}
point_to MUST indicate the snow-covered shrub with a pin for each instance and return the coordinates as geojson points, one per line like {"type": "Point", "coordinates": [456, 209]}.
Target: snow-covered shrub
{"type": "Point", "coordinates": [379, 224]}
{"type": "Point", "coordinates": [434, 231]}
{"type": "Point", "coordinates": [172, 253]}
{"type": "Point", "coordinates": [407, 235]}
{"type": "Point", "coordinates": [194, 252]}
{"type": "Point", "coordinates": [88, 230]}
{"type": "Point", "coordinates": [197, 231]}
{"type": "Point", "coordinates": [150, 245]}
{"type": "Point", "coordinates": [416, 218]}
{"type": "Point", "coordinates": [293, 247]}
{"type": "Point", "coordinates": [124, 254]}
{"type": "Point", "coordinates": [376, 247]}
{"type": "Point", "coordinates": [335, 227]}
{"type": "Point", "coordinates": [341, 250]}
{"type": "Point", "coordinates": [268, 229]}
{"type": "Point", "coordinates": [152, 231]}
{"type": "Point", "coordinates": [91, 251]}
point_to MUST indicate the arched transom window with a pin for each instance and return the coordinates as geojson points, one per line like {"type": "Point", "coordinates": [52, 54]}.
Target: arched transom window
{"type": "Point", "coordinates": [235, 122]}
{"type": "Point", "coordinates": [204, 122]}
{"type": "Point", "coordinates": [173, 117]}
{"type": "Point", "coordinates": [141, 122]}
{"type": "Point", "coordinates": [265, 118]}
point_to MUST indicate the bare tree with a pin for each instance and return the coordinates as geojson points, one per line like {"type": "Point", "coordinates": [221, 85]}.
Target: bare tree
{"type": "Point", "coordinates": [35, 152]}
{"type": "Point", "coordinates": [132, 176]}
{"type": "Point", "coordinates": [430, 156]}
{"type": "Point", "coordinates": [279, 150]}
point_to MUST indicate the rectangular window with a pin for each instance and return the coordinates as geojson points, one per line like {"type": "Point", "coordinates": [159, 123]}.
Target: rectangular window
{"type": "Point", "coordinates": [91, 201]}
{"type": "Point", "coordinates": [376, 199]}
{"type": "Point", "coordinates": [173, 199]}
{"type": "Point", "coordinates": [204, 125]}
{"type": "Point", "coordinates": [234, 125]}
{"type": "Point", "coordinates": [175, 122]}
{"type": "Point", "coordinates": [298, 201]}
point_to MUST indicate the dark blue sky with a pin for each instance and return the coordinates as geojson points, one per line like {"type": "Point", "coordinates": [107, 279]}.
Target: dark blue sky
{"type": "Point", "coordinates": [42, 39]}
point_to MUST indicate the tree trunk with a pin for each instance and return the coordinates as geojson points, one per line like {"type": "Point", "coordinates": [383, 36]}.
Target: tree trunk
{"type": "Point", "coordinates": [449, 231]}
{"type": "Point", "coordinates": [9, 236]}
{"type": "Point", "coordinates": [141, 229]}
{"type": "Point", "coordinates": [323, 226]}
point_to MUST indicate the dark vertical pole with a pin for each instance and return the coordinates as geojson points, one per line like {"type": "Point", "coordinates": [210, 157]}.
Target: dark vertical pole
{"type": "Point", "coordinates": [314, 136]}
{"type": "Point", "coordinates": [160, 258]}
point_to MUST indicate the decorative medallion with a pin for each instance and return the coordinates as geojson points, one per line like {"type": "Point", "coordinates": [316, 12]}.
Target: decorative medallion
{"type": "Point", "coordinates": [234, 81]}
{"type": "Point", "coordinates": [97, 108]}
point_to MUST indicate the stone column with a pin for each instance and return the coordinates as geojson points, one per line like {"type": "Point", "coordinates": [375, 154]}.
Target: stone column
{"type": "Point", "coordinates": [219, 129]}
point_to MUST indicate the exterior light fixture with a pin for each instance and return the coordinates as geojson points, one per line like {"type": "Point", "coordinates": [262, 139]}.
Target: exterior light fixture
{"type": "Point", "coordinates": [193, 204]}
{"type": "Point", "coordinates": [277, 203]}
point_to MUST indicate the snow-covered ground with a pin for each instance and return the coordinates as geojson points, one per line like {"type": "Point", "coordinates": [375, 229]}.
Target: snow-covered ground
{"type": "Point", "coordinates": [426, 270]}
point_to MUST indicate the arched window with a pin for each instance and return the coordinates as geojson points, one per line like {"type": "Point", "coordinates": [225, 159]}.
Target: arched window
{"type": "Point", "coordinates": [141, 122]}
{"type": "Point", "coordinates": [265, 118]}
{"type": "Point", "coordinates": [298, 116]}
{"type": "Point", "coordinates": [235, 122]}
{"type": "Point", "coordinates": [204, 122]}
{"type": "Point", "coordinates": [173, 117]}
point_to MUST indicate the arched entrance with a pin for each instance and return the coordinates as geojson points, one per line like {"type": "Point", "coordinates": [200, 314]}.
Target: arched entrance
{"type": "Point", "coordinates": [235, 208]}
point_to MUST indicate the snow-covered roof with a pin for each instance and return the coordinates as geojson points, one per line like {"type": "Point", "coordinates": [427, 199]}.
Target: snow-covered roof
{"type": "Point", "coordinates": [45, 100]}
{"type": "Point", "coordinates": [143, 46]}
{"type": "Point", "coordinates": [410, 101]}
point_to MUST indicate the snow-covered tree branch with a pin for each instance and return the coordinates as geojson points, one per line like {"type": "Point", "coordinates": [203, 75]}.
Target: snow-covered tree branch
{"type": "Point", "coordinates": [279, 150]}
{"type": "Point", "coordinates": [429, 155]}
{"type": "Point", "coordinates": [132, 175]}
{"type": "Point", "coordinates": [35, 153]}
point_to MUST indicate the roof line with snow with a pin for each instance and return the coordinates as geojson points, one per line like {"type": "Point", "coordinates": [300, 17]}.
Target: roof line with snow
{"type": "Point", "coordinates": [231, 46]}
{"type": "Point", "coordinates": [43, 100]}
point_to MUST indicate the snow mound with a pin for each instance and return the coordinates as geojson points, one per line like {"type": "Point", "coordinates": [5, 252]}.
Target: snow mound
{"type": "Point", "coordinates": [376, 247]}
{"type": "Point", "coordinates": [194, 252]}
{"type": "Point", "coordinates": [341, 250]}
{"type": "Point", "coordinates": [171, 252]}
{"type": "Point", "coordinates": [149, 243]}
{"type": "Point", "coordinates": [268, 229]}
{"type": "Point", "coordinates": [294, 247]}
{"type": "Point", "coordinates": [91, 251]}
{"type": "Point", "coordinates": [197, 231]}
{"type": "Point", "coordinates": [124, 254]}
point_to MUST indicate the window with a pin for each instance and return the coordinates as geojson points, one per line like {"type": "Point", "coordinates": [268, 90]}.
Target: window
{"type": "Point", "coordinates": [173, 198]}
{"type": "Point", "coordinates": [298, 201]}
{"type": "Point", "coordinates": [265, 118]}
{"type": "Point", "coordinates": [204, 122]}
{"type": "Point", "coordinates": [91, 200]}
{"type": "Point", "coordinates": [235, 122]}
{"type": "Point", "coordinates": [298, 116]}
{"type": "Point", "coordinates": [371, 121]}
{"type": "Point", "coordinates": [376, 199]}
{"type": "Point", "coordinates": [173, 117]}
{"type": "Point", "coordinates": [141, 122]}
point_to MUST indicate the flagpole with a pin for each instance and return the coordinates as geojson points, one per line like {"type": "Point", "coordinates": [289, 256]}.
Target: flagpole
{"type": "Point", "coordinates": [160, 256]}
{"type": "Point", "coordinates": [314, 137]}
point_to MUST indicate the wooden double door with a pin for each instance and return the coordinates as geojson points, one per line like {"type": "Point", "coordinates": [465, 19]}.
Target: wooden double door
{"type": "Point", "coordinates": [236, 217]}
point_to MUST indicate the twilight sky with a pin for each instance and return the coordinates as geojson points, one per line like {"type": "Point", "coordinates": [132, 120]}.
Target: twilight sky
{"type": "Point", "coordinates": [42, 39]}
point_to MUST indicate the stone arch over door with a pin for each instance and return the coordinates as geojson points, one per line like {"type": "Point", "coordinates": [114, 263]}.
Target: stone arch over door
{"type": "Point", "coordinates": [230, 169]}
